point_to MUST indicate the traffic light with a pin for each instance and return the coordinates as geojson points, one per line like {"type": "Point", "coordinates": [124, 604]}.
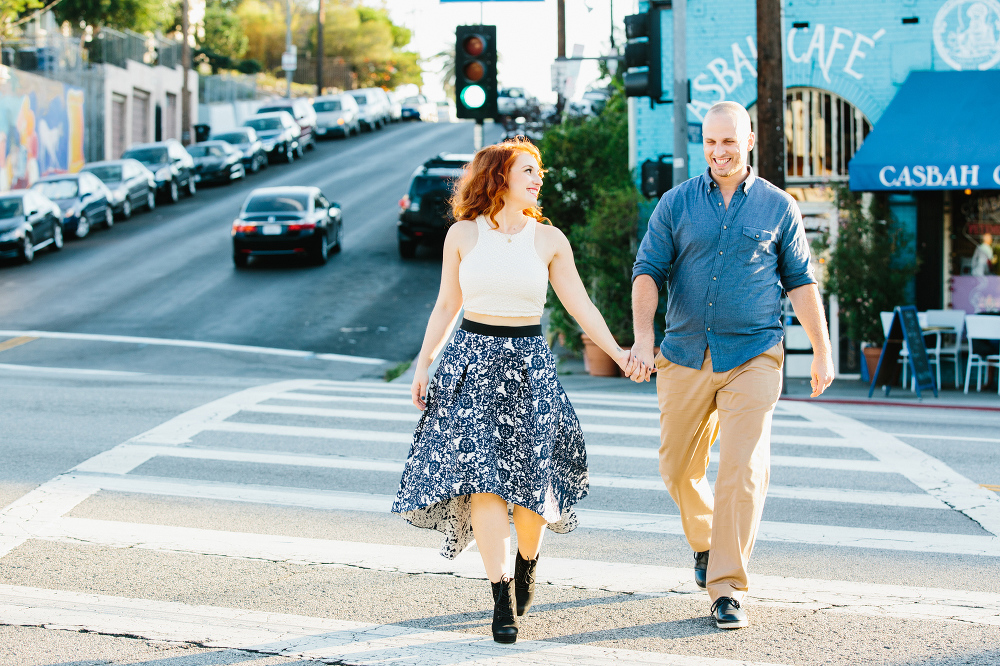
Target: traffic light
{"type": "Point", "coordinates": [643, 57]}
{"type": "Point", "coordinates": [476, 71]}
{"type": "Point", "coordinates": [657, 177]}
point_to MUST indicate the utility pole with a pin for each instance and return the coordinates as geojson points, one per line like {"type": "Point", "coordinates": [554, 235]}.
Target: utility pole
{"type": "Point", "coordinates": [185, 65]}
{"type": "Point", "coordinates": [770, 94]}
{"type": "Point", "coordinates": [288, 46]}
{"type": "Point", "coordinates": [560, 45]}
{"type": "Point", "coordinates": [319, 47]}
{"type": "Point", "coordinates": [680, 91]}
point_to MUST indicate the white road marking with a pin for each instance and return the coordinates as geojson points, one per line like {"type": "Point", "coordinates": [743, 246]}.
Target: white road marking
{"type": "Point", "coordinates": [953, 438]}
{"type": "Point", "coordinates": [841, 596]}
{"type": "Point", "coordinates": [197, 344]}
{"type": "Point", "coordinates": [844, 464]}
{"type": "Point", "coordinates": [825, 535]}
{"type": "Point", "coordinates": [306, 431]}
{"type": "Point", "coordinates": [312, 638]}
{"type": "Point", "coordinates": [68, 371]}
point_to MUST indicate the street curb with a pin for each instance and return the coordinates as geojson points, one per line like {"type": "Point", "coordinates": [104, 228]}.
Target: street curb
{"type": "Point", "coordinates": [887, 403]}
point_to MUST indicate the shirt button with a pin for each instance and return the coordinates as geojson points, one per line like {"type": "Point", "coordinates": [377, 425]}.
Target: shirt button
{"type": "Point", "coordinates": [724, 227]}
{"type": "Point", "coordinates": [756, 235]}
{"type": "Point", "coordinates": [710, 328]}
{"type": "Point", "coordinates": [720, 251]}
{"type": "Point", "coordinates": [713, 277]}
{"type": "Point", "coordinates": [720, 203]}
{"type": "Point", "coordinates": [709, 305]}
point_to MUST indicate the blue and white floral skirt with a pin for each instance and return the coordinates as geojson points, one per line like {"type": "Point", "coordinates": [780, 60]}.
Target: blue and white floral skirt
{"type": "Point", "coordinates": [497, 421]}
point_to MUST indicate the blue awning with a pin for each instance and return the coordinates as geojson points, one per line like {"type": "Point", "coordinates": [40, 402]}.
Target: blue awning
{"type": "Point", "coordinates": [940, 132]}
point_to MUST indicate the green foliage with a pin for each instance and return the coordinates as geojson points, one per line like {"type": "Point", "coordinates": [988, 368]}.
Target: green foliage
{"type": "Point", "coordinates": [11, 9]}
{"type": "Point", "coordinates": [866, 270]}
{"type": "Point", "coordinates": [223, 34]}
{"type": "Point", "coordinates": [138, 15]}
{"type": "Point", "coordinates": [249, 66]}
{"type": "Point", "coordinates": [589, 194]}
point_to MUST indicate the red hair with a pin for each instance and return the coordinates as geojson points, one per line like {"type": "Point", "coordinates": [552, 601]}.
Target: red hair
{"type": "Point", "coordinates": [483, 183]}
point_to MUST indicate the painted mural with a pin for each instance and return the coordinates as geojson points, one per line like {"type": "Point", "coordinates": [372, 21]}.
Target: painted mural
{"type": "Point", "coordinates": [41, 128]}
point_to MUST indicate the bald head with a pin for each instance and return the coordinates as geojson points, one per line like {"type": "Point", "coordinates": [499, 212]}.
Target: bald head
{"type": "Point", "coordinates": [733, 111]}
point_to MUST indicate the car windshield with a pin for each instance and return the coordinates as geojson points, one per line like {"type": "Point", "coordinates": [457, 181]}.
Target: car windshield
{"type": "Point", "coordinates": [10, 208]}
{"type": "Point", "coordinates": [206, 151]}
{"type": "Point", "coordinates": [58, 189]}
{"type": "Point", "coordinates": [278, 203]}
{"type": "Point", "coordinates": [270, 109]}
{"type": "Point", "coordinates": [412, 100]}
{"type": "Point", "coordinates": [232, 137]}
{"type": "Point", "coordinates": [360, 99]}
{"type": "Point", "coordinates": [109, 173]}
{"type": "Point", "coordinates": [148, 155]}
{"type": "Point", "coordinates": [263, 124]}
{"type": "Point", "coordinates": [424, 184]}
{"type": "Point", "coordinates": [327, 105]}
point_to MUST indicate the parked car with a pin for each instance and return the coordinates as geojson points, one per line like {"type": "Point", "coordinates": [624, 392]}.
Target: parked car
{"type": "Point", "coordinates": [424, 212]}
{"type": "Point", "coordinates": [303, 115]}
{"type": "Point", "coordinates": [512, 101]}
{"type": "Point", "coordinates": [216, 162]}
{"type": "Point", "coordinates": [395, 108]}
{"type": "Point", "coordinates": [287, 221]}
{"type": "Point", "coordinates": [446, 111]}
{"type": "Point", "coordinates": [29, 222]}
{"type": "Point", "coordinates": [82, 198]}
{"type": "Point", "coordinates": [337, 115]}
{"type": "Point", "coordinates": [278, 134]}
{"type": "Point", "coordinates": [245, 139]}
{"type": "Point", "coordinates": [418, 108]}
{"type": "Point", "coordinates": [171, 165]}
{"type": "Point", "coordinates": [373, 107]}
{"type": "Point", "coordinates": [131, 185]}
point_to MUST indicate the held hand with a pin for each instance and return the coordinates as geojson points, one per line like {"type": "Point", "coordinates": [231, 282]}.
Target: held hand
{"type": "Point", "coordinates": [822, 373]}
{"type": "Point", "coordinates": [626, 361]}
{"type": "Point", "coordinates": [418, 389]}
{"type": "Point", "coordinates": [645, 366]}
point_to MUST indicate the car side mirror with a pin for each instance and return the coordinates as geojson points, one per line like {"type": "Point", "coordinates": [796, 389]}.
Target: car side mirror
{"type": "Point", "coordinates": [335, 205]}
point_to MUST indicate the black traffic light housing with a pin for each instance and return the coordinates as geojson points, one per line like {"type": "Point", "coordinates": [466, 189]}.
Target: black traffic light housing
{"type": "Point", "coordinates": [657, 177]}
{"type": "Point", "coordinates": [643, 55]}
{"type": "Point", "coordinates": [476, 71]}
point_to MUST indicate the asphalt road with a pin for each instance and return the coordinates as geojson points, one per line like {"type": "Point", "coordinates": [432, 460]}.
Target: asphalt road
{"type": "Point", "coordinates": [210, 504]}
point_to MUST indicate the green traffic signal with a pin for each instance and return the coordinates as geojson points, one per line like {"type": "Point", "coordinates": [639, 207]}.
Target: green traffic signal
{"type": "Point", "coordinates": [473, 97]}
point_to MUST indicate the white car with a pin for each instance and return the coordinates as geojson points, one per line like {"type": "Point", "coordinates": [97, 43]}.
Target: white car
{"type": "Point", "coordinates": [395, 108]}
{"type": "Point", "coordinates": [337, 115]}
{"type": "Point", "coordinates": [373, 107]}
{"type": "Point", "coordinates": [418, 108]}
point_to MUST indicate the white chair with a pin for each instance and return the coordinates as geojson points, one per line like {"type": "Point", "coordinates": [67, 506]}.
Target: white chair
{"type": "Point", "coordinates": [947, 343]}
{"type": "Point", "coordinates": [981, 327]}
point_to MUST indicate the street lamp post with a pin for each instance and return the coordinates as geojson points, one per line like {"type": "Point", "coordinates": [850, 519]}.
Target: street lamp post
{"type": "Point", "coordinates": [319, 47]}
{"type": "Point", "coordinates": [288, 46]}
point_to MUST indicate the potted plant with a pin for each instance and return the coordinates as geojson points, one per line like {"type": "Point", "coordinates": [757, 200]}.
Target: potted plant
{"type": "Point", "coordinates": [867, 269]}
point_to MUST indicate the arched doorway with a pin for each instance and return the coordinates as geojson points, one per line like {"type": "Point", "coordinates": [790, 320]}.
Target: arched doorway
{"type": "Point", "coordinates": [822, 133]}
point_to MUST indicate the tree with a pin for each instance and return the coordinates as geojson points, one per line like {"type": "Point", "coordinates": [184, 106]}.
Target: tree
{"type": "Point", "coordinates": [11, 9]}
{"type": "Point", "coordinates": [138, 15]}
{"type": "Point", "coordinates": [264, 26]}
{"type": "Point", "coordinates": [223, 39]}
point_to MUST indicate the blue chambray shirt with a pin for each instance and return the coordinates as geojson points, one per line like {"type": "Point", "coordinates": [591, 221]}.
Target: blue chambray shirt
{"type": "Point", "coordinates": [725, 268]}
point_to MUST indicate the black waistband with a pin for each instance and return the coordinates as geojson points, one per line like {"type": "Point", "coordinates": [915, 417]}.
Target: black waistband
{"type": "Point", "coordinates": [502, 331]}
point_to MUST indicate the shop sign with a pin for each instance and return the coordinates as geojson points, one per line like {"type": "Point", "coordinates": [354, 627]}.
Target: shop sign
{"type": "Point", "coordinates": [967, 33]}
{"type": "Point", "coordinates": [954, 176]}
{"type": "Point", "coordinates": [985, 218]}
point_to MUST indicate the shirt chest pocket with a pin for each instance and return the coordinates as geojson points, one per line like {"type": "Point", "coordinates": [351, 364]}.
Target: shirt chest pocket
{"type": "Point", "coordinates": [756, 245]}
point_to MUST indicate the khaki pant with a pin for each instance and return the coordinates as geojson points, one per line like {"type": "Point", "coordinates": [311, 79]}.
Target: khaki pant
{"type": "Point", "coordinates": [696, 406]}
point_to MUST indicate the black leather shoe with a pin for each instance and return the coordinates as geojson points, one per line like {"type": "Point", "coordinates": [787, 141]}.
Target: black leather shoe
{"type": "Point", "coordinates": [728, 614]}
{"type": "Point", "coordinates": [504, 620]}
{"type": "Point", "coordinates": [524, 583]}
{"type": "Point", "coordinates": [701, 569]}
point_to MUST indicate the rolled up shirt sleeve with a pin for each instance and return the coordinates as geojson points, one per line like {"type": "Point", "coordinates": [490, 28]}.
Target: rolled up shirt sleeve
{"type": "Point", "coordinates": [656, 252]}
{"type": "Point", "coordinates": [794, 267]}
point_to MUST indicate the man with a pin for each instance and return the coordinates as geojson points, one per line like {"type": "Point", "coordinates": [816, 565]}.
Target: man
{"type": "Point", "coordinates": [727, 243]}
{"type": "Point", "coordinates": [983, 256]}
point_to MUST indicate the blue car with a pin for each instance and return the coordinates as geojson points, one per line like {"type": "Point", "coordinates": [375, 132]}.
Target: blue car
{"type": "Point", "coordinates": [83, 199]}
{"type": "Point", "coordinates": [28, 223]}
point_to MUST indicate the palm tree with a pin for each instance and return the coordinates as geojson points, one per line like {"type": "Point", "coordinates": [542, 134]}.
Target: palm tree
{"type": "Point", "coordinates": [447, 71]}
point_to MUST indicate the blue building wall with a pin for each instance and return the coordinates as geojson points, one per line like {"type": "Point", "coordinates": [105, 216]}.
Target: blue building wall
{"type": "Point", "coordinates": [858, 49]}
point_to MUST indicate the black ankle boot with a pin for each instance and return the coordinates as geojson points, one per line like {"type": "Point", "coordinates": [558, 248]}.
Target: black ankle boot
{"type": "Point", "coordinates": [504, 620]}
{"type": "Point", "coordinates": [524, 583]}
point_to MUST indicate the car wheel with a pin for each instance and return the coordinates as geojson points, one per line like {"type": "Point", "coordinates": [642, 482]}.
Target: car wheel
{"type": "Point", "coordinates": [27, 249]}
{"type": "Point", "coordinates": [57, 237]}
{"type": "Point", "coordinates": [289, 154]}
{"type": "Point", "coordinates": [321, 252]}
{"type": "Point", "coordinates": [241, 260]}
{"type": "Point", "coordinates": [174, 195]}
{"type": "Point", "coordinates": [255, 164]}
{"type": "Point", "coordinates": [82, 227]}
{"type": "Point", "coordinates": [109, 217]}
{"type": "Point", "coordinates": [192, 188]}
{"type": "Point", "coordinates": [127, 209]}
{"type": "Point", "coordinates": [150, 200]}
{"type": "Point", "coordinates": [338, 244]}
{"type": "Point", "coordinates": [407, 249]}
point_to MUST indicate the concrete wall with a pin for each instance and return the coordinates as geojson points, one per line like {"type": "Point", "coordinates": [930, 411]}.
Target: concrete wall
{"type": "Point", "coordinates": [858, 49]}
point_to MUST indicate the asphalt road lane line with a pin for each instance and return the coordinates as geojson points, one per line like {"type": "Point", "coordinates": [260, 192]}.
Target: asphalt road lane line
{"type": "Point", "coordinates": [877, 498]}
{"type": "Point", "coordinates": [615, 521]}
{"type": "Point", "coordinates": [814, 594]}
{"type": "Point", "coordinates": [926, 472]}
{"type": "Point", "coordinates": [197, 344]}
{"type": "Point", "coordinates": [298, 636]}
{"type": "Point", "coordinates": [15, 342]}
{"type": "Point", "coordinates": [69, 371]}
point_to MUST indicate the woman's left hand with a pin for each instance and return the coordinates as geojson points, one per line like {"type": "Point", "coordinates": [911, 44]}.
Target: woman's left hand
{"type": "Point", "coordinates": [626, 361]}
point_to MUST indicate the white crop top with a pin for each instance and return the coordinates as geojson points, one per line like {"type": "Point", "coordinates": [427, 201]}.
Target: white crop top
{"type": "Point", "coordinates": [503, 276]}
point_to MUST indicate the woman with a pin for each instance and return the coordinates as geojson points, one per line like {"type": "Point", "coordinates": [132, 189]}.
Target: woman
{"type": "Point", "coordinates": [497, 429]}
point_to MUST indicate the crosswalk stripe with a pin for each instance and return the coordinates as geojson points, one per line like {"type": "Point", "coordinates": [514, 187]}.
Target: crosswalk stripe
{"type": "Point", "coordinates": [844, 495]}
{"type": "Point", "coordinates": [843, 464]}
{"type": "Point", "coordinates": [827, 535]}
{"type": "Point", "coordinates": [313, 638]}
{"type": "Point", "coordinates": [307, 431]}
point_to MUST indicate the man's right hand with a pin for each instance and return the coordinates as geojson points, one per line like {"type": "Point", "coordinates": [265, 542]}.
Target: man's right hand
{"type": "Point", "coordinates": [644, 353]}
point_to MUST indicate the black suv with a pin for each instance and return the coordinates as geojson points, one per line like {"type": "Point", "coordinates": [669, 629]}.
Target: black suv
{"type": "Point", "coordinates": [424, 212]}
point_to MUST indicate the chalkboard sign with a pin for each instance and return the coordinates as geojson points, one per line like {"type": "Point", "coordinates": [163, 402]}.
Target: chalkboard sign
{"type": "Point", "coordinates": [905, 327]}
